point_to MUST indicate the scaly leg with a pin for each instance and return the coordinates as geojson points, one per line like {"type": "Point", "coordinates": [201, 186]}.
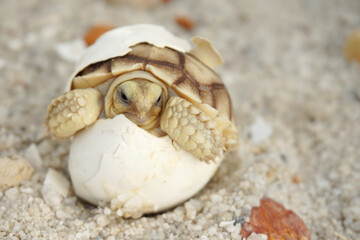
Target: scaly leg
{"type": "Point", "coordinates": [73, 111]}
{"type": "Point", "coordinates": [193, 130]}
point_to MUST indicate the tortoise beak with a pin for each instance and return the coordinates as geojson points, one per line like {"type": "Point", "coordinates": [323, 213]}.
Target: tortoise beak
{"type": "Point", "coordinates": [143, 120]}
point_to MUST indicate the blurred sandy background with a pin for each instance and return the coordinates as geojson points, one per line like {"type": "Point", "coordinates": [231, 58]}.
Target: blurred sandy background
{"type": "Point", "coordinates": [287, 75]}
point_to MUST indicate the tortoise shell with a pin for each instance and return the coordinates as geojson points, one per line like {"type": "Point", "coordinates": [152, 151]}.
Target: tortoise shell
{"type": "Point", "coordinates": [182, 72]}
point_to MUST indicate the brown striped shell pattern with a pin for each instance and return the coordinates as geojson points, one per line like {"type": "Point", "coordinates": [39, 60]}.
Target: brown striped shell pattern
{"type": "Point", "coordinates": [181, 73]}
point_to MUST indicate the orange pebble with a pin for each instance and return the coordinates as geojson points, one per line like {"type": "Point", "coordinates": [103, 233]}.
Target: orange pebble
{"type": "Point", "coordinates": [352, 47]}
{"type": "Point", "coordinates": [95, 32]}
{"type": "Point", "coordinates": [185, 22]}
{"type": "Point", "coordinates": [295, 179]}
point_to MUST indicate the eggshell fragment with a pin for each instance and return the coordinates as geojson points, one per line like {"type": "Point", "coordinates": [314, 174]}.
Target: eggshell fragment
{"type": "Point", "coordinates": [95, 32]}
{"type": "Point", "coordinates": [352, 47]}
{"type": "Point", "coordinates": [116, 160]}
{"type": "Point", "coordinates": [117, 42]}
{"type": "Point", "coordinates": [185, 22]}
{"type": "Point", "coordinates": [260, 130]}
{"type": "Point", "coordinates": [56, 181]}
{"type": "Point", "coordinates": [33, 156]}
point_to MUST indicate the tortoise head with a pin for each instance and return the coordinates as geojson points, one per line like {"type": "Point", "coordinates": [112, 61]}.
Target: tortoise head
{"type": "Point", "coordinates": [140, 98]}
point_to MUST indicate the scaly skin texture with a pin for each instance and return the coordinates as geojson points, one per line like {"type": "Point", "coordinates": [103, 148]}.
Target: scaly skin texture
{"type": "Point", "coordinates": [73, 111]}
{"type": "Point", "coordinates": [190, 128]}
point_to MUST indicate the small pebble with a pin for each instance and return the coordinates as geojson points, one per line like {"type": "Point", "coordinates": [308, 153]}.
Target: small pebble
{"type": "Point", "coordinates": [185, 22]}
{"type": "Point", "coordinates": [33, 156]}
{"type": "Point", "coordinates": [260, 131]}
{"type": "Point", "coordinates": [55, 188]}
{"type": "Point", "coordinates": [70, 51]}
{"type": "Point", "coordinates": [2, 63]}
{"type": "Point", "coordinates": [12, 193]}
{"type": "Point", "coordinates": [45, 147]}
{"type": "Point", "coordinates": [255, 236]}
{"type": "Point", "coordinates": [13, 170]}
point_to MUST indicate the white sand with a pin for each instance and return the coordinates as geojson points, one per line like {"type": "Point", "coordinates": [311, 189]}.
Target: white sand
{"type": "Point", "coordinates": [283, 63]}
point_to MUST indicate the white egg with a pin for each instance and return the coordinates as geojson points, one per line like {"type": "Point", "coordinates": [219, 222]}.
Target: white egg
{"type": "Point", "coordinates": [115, 160]}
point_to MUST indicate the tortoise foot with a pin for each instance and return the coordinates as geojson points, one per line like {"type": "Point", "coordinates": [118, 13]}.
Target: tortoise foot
{"type": "Point", "coordinates": [193, 130]}
{"type": "Point", "coordinates": [73, 111]}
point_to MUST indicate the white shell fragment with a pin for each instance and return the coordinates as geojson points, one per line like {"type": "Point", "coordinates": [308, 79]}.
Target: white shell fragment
{"type": "Point", "coordinates": [257, 236]}
{"type": "Point", "coordinates": [2, 62]}
{"type": "Point", "coordinates": [206, 52]}
{"type": "Point", "coordinates": [33, 156]}
{"type": "Point", "coordinates": [13, 170]}
{"type": "Point", "coordinates": [260, 130]}
{"type": "Point", "coordinates": [72, 50]}
{"type": "Point", "coordinates": [57, 182]}
{"type": "Point", "coordinates": [116, 160]}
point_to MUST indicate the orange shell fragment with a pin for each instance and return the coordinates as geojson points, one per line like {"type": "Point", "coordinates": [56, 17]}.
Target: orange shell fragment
{"type": "Point", "coordinates": [352, 47]}
{"type": "Point", "coordinates": [95, 32]}
{"type": "Point", "coordinates": [278, 223]}
{"type": "Point", "coordinates": [185, 22]}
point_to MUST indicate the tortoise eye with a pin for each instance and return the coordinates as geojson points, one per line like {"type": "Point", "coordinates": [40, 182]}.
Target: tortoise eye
{"type": "Point", "coordinates": [124, 98]}
{"type": "Point", "coordinates": [158, 101]}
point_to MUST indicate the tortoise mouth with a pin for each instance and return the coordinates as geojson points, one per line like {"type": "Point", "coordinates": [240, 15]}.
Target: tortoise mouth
{"type": "Point", "coordinates": [146, 122]}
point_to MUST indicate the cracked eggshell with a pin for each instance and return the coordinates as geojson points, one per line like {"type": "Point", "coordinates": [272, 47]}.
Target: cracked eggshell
{"type": "Point", "coordinates": [115, 159]}
{"type": "Point", "coordinates": [117, 42]}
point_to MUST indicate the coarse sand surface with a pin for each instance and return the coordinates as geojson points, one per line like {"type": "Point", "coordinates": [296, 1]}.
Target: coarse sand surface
{"type": "Point", "coordinates": [295, 96]}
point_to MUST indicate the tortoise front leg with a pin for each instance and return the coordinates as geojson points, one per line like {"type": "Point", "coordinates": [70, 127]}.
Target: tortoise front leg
{"type": "Point", "coordinates": [193, 130]}
{"type": "Point", "coordinates": [73, 111]}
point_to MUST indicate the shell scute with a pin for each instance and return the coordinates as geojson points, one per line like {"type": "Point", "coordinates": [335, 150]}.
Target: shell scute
{"type": "Point", "coordinates": [122, 65]}
{"type": "Point", "coordinates": [93, 75]}
{"type": "Point", "coordinates": [163, 56]}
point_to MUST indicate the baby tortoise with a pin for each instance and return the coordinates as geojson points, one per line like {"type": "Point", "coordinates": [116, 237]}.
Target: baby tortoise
{"type": "Point", "coordinates": [162, 90]}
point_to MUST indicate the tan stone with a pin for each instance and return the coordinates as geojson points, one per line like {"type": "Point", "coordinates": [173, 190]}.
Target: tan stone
{"type": "Point", "coordinates": [13, 170]}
